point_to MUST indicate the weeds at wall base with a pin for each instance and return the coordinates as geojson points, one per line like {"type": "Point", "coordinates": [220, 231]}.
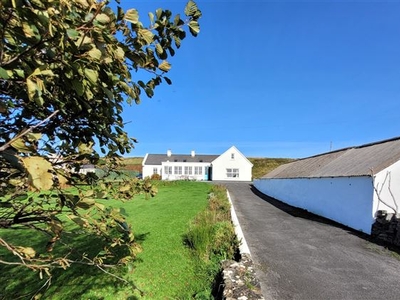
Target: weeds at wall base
{"type": "Point", "coordinates": [212, 239]}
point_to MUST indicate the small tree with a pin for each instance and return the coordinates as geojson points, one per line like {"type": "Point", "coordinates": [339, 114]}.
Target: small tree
{"type": "Point", "coordinates": [66, 70]}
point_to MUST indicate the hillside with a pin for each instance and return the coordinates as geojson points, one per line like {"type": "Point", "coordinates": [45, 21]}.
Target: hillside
{"type": "Point", "coordinates": [261, 166]}
{"type": "Point", "coordinates": [132, 164]}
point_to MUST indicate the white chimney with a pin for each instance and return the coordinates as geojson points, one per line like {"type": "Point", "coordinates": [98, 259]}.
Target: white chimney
{"type": "Point", "coordinates": [169, 153]}
{"type": "Point", "coordinates": [192, 153]}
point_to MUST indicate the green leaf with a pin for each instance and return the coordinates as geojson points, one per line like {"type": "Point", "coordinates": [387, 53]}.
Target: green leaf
{"type": "Point", "coordinates": [103, 19]}
{"type": "Point", "coordinates": [169, 81]}
{"type": "Point", "coordinates": [132, 16]}
{"type": "Point", "coordinates": [119, 53]}
{"type": "Point", "coordinates": [92, 75]}
{"type": "Point", "coordinates": [95, 53]}
{"type": "Point", "coordinates": [78, 220]}
{"type": "Point", "coordinates": [42, 70]}
{"type": "Point", "coordinates": [177, 41]}
{"type": "Point", "coordinates": [28, 252]}
{"type": "Point", "coordinates": [78, 87]}
{"type": "Point", "coordinates": [159, 13]}
{"type": "Point", "coordinates": [191, 8]}
{"type": "Point", "coordinates": [3, 73]}
{"type": "Point", "coordinates": [151, 16]}
{"type": "Point", "coordinates": [33, 137]}
{"type": "Point", "coordinates": [73, 34]}
{"type": "Point", "coordinates": [86, 203]}
{"type": "Point", "coordinates": [85, 148]}
{"type": "Point", "coordinates": [21, 146]}
{"type": "Point", "coordinates": [28, 30]}
{"type": "Point", "coordinates": [165, 66]}
{"type": "Point", "coordinates": [159, 50]}
{"type": "Point", "coordinates": [15, 182]}
{"type": "Point", "coordinates": [194, 28]}
{"type": "Point", "coordinates": [38, 169]}
{"type": "Point", "coordinates": [177, 20]}
{"type": "Point", "coordinates": [32, 88]}
{"type": "Point", "coordinates": [147, 35]}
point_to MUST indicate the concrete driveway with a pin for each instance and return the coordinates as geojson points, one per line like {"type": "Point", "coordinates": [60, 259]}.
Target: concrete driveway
{"type": "Point", "coordinates": [302, 256]}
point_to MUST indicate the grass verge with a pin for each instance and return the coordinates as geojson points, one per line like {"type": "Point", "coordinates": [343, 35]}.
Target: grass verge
{"type": "Point", "coordinates": [212, 238]}
{"type": "Point", "coordinates": [166, 269]}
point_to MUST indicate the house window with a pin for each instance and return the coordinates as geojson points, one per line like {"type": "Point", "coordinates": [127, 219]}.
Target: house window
{"type": "Point", "coordinates": [198, 170]}
{"type": "Point", "coordinates": [168, 170]}
{"type": "Point", "coordinates": [178, 170]}
{"type": "Point", "coordinates": [188, 170]}
{"type": "Point", "coordinates": [155, 171]}
{"type": "Point", "coordinates": [232, 173]}
{"type": "Point", "coordinates": [232, 155]}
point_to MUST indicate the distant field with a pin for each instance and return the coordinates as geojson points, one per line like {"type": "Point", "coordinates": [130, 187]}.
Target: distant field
{"type": "Point", "coordinates": [133, 160]}
{"type": "Point", "coordinates": [261, 166]}
{"type": "Point", "coordinates": [133, 164]}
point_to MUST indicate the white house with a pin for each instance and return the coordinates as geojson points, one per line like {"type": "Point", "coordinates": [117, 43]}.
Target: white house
{"type": "Point", "coordinates": [348, 185]}
{"type": "Point", "coordinates": [230, 165]}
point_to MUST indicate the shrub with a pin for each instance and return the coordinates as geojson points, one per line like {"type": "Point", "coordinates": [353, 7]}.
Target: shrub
{"type": "Point", "coordinates": [155, 177]}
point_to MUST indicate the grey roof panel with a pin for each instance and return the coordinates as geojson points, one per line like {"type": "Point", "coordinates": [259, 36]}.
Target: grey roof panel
{"type": "Point", "coordinates": [157, 159]}
{"type": "Point", "coordinates": [363, 160]}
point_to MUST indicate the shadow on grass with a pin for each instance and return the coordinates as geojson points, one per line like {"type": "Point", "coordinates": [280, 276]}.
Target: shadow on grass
{"type": "Point", "coordinates": [77, 281]}
{"type": "Point", "coordinates": [302, 213]}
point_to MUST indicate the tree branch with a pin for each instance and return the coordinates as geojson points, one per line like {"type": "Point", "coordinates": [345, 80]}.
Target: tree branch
{"type": "Point", "coordinates": [25, 132]}
{"type": "Point", "coordinates": [3, 34]}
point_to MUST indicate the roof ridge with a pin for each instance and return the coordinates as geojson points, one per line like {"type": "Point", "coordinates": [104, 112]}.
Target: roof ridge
{"type": "Point", "coordinates": [352, 147]}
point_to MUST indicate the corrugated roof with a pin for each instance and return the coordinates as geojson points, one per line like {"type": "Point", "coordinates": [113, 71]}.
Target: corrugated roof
{"type": "Point", "coordinates": [157, 159]}
{"type": "Point", "coordinates": [363, 160]}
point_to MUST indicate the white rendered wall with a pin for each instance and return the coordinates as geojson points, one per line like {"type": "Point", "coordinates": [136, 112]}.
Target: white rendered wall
{"type": "Point", "coordinates": [148, 170]}
{"type": "Point", "coordinates": [183, 176]}
{"type": "Point", "coordinates": [346, 200]}
{"type": "Point", "coordinates": [387, 189]}
{"type": "Point", "coordinates": [225, 160]}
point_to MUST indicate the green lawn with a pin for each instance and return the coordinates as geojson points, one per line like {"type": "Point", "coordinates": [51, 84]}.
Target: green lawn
{"type": "Point", "coordinates": [164, 270]}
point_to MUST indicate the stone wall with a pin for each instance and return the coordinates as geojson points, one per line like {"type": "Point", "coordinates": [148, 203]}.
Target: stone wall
{"type": "Point", "coordinates": [387, 227]}
{"type": "Point", "coordinates": [239, 280]}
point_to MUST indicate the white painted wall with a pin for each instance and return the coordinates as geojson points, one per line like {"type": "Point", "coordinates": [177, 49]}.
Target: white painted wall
{"type": "Point", "coordinates": [148, 170]}
{"type": "Point", "coordinates": [225, 160]}
{"type": "Point", "coordinates": [387, 189]}
{"type": "Point", "coordinates": [347, 200]}
{"type": "Point", "coordinates": [183, 176]}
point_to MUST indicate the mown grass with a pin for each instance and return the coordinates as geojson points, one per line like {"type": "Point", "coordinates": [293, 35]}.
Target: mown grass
{"type": "Point", "coordinates": [166, 268]}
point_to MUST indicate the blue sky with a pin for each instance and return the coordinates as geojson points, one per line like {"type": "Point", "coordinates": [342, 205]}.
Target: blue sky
{"type": "Point", "coordinates": [276, 79]}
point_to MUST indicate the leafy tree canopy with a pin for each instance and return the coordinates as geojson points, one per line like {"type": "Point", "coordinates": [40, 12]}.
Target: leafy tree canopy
{"type": "Point", "coordinates": [66, 69]}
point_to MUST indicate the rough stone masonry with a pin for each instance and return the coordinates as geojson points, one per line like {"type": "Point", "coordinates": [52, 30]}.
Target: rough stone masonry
{"type": "Point", "coordinates": [240, 281]}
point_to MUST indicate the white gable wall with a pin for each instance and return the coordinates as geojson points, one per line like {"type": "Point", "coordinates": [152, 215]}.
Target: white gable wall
{"type": "Point", "coordinates": [234, 160]}
{"type": "Point", "coordinates": [149, 170]}
{"type": "Point", "coordinates": [387, 189]}
{"type": "Point", "coordinates": [347, 200]}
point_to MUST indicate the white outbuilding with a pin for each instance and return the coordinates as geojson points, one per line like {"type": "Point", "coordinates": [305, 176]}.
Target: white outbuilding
{"type": "Point", "coordinates": [231, 165]}
{"type": "Point", "coordinates": [348, 186]}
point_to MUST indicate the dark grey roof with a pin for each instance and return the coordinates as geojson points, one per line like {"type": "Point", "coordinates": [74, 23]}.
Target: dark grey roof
{"type": "Point", "coordinates": [363, 160]}
{"type": "Point", "coordinates": [157, 159]}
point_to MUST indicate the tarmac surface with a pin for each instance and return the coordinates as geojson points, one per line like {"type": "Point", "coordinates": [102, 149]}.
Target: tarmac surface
{"type": "Point", "coordinates": [302, 256]}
